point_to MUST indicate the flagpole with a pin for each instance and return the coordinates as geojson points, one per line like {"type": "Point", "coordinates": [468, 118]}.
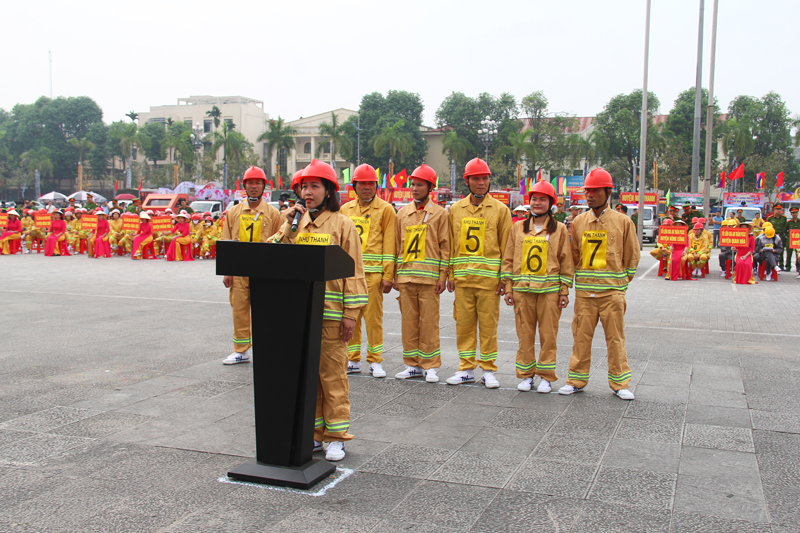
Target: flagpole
{"type": "Point", "coordinates": [710, 116]}
{"type": "Point", "coordinates": [643, 138]}
{"type": "Point", "coordinates": [698, 101]}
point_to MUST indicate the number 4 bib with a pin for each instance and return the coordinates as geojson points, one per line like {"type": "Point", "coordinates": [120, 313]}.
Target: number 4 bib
{"type": "Point", "coordinates": [250, 228]}
{"type": "Point", "coordinates": [594, 245]}
{"type": "Point", "coordinates": [414, 243]}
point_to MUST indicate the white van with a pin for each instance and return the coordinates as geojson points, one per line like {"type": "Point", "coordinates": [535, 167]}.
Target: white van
{"type": "Point", "coordinates": [748, 212]}
{"type": "Point", "coordinates": [650, 222]}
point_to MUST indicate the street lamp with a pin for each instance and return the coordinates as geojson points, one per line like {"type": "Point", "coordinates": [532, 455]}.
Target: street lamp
{"type": "Point", "coordinates": [197, 142]}
{"type": "Point", "coordinates": [487, 133]}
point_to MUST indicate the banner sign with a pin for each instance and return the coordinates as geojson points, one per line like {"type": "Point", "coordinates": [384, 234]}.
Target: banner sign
{"type": "Point", "coordinates": [672, 235]}
{"type": "Point", "coordinates": [504, 197]}
{"type": "Point", "coordinates": [130, 223]}
{"type": "Point", "coordinates": [749, 198]}
{"type": "Point", "coordinates": [42, 221]}
{"type": "Point", "coordinates": [162, 223]}
{"type": "Point", "coordinates": [3, 220]}
{"type": "Point", "coordinates": [794, 239]}
{"type": "Point", "coordinates": [650, 198]}
{"type": "Point", "coordinates": [577, 198]}
{"type": "Point", "coordinates": [735, 237]}
{"type": "Point", "coordinates": [574, 183]}
{"type": "Point", "coordinates": [88, 222]}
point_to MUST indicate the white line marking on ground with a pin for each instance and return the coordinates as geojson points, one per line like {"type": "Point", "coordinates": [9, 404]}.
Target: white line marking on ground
{"type": "Point", "coordinates": [84, 295]}
{"type": "Point", "coordinates": [648, 271]}
{"type": "Point", "coordinates": [344, 473]}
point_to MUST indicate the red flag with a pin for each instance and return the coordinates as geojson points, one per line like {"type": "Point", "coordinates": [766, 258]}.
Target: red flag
{"type": "Point", "coordinates": [237, 184]}
{"type": "Point", "coordinates": [779, 183]}
{"type": "Point", "coordinates": [140, 184]}
{"type": "Point", "coordinates": [738, 173]}
{"type": "Point", "coordinates": [270, 184]}
{"type": "Point", "coordinates": [116, 186]}
{"type": "Point", "coordinates": [539, 176]}
{"type": "Point", "coordinates": [722, 180]}
{"type": "Point", "coordinates": [401, 178]}
{"type": "Point", "coordinates": [280, 182]}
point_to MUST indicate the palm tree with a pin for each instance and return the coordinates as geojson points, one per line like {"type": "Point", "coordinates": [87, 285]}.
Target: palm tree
{"type": "Point", "coordinates": [398, 142]}
{"type": "Point", "coordinates": [170, 122]}
{"type": "Point", "coordinates": [277, 136]}
{"type": "Point", "coordinates": [38, 162]}
{"type": "Point", "coordinates": [335, 135]}
{"type": "Point", "coordinates": [737, 141]}
{"type": "Point", "coordinates": [133, 115]}
{"type": "Point", "coordinates": [216, 114]}
{"type": "Point", "coordinates": [82, 145]}
{"type": "Point", "coordinates": [520, 148]}
{"type": "Point", "coordinates": [233, 144]}
{"type": "Point", "coordinates": [456, 149]}
{"type": "Point", "coordinates": [129, 137]}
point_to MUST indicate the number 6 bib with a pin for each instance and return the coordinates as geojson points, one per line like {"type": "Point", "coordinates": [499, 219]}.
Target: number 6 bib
{"type": "Point", "coordinates": [534, 256]}
{"type": "Point", "coordinates": [594, 245]}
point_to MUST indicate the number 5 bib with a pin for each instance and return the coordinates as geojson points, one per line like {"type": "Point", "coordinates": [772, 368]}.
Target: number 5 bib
{"type": "Point", "coordinates": [594, 245]}
{"type": "Point", "coordinates": [414, 243]}
{"type": "Point", "coordinates": [534, 256]}
{"type": "Point", "coordinates": [250, 228]}
{"type": "Point", "coordinates": [473, 236]}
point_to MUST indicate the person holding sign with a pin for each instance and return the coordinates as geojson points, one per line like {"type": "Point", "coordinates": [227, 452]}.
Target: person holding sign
{"type": "Point", "coordinates": [537, 267]}
{"type": "Point", "coordinates": [117, 236]}
{"type": "Point", "coordinates": [696, 254]}
{"type": "Point", "coordinates": [13, 232]}
{"type": "Point", "coordinates": [743, 268]}
{"type": "Point", "coordinates": [251, 221]}
{"type": "Point", "coordinates": [726, 253]}
{"type": "Point", "coordinates": [376, 223]}
{"type": "Point", "coordinates": [181, 237]}
{"type": "Point", "coordinates": [605, 251]}
{"type": "Point", "coordinates": [143, 237]}
{"type": "Point", "coordinates": [210, 236]}
{"type": "Point", "coordinates": [423, 258]}
{"type": "Point", "coordinates": [58, 233]}
{"type": "Point", "coordinates": [37, 230]}
{"type": "Point", "coordinates": [479, 228]}
{"type": "Point", "coordinates": [768, 248]}
{"type": "Point", "coordinates": [323, 224]}
{"type": "Point", "coordinates": [99, 245]}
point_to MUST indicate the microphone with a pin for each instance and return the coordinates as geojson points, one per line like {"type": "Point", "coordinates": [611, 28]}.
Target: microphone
{"type": "Point", "coordinates": [298, 215]}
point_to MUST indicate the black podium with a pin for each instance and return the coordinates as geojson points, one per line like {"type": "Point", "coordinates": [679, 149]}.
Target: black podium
{"type": "Point", "coordinates": [287, 295]}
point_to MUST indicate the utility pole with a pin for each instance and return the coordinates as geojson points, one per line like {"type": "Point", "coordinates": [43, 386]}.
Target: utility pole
{"type": "Point", "coordinates": [50, 58]}
{"type": "Point", "coordinates": [698, 101]}
{"type": "Point", "coordinates": [710, 116]}
{"type": "Point", "coordinates": [643, 138]}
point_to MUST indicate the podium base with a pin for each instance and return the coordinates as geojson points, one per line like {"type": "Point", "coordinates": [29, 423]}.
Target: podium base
{"type": "Point", "coordinates": [298, 477]}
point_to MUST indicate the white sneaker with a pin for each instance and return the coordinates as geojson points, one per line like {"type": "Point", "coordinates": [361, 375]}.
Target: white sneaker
{"type": "Point", "coordinates": [525, 385]}
{"type": "Point", "coordinates": [353, 367]}
{"type": "Point", "coordinates": [430, 376]}
{"type": "Point", "coordinates": [544, 386]}
{"type": "Point", "coordinates": [777, 269]}
{"type": "Point", "coordinates": [798, 277]}
{"type": "Point", "coordinates": [462, 376]}
{"type": "Point", "coordinates": [409, 372]}
{"type": "Point", "coordinates": [569, 389]}
{"type": "Point", "coordinates": [236, 358]}
{"type": "Point", "coordinates": [377, 370]}
{"type": "Point", "coordinates": [27, 251]}
{"type": "Point", "coordinates": [335, 451]}
{"type": "Point", "coordinates": [317, 446]}
{"type": "Point", "coordinates": [489, 380]}
{"type": "Point", "coordinates": [624, 394]}
{"type": "Point", "coordinates": [722, 274]}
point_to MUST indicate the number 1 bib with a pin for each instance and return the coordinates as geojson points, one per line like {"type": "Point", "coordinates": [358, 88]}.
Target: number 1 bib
{"type": "Point", "coordinates": [594, 246]}
{"type": "Point", "coordinates": [249, 228]}
{"type": "Point", "coordinates": [473, 236]}
{"type": "Point", "coordinates": [414, 243]}
{"type": "Point", "coordinates": [362, 225]}
{"type": "Point", "coordinates": [534, 256]}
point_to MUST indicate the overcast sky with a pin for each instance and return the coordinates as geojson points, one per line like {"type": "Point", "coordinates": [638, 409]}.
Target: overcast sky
{"type": "Point", "coordinates": [309, 56]}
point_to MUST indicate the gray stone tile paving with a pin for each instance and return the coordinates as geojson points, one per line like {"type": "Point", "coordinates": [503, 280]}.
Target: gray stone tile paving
{"type": "Point", "coordinates": [137, 437]}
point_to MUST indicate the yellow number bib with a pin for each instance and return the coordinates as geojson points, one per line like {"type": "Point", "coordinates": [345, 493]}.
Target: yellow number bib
{"type": "Point", "coordinates": [318, 239]}
{"type": "Point", "coordinates": [696, 245]}
{"type": "Point", "coordinates": [362, 225]}
{"type": "Point", "coordinates": [594, 246]}
{"type": "Point", "coordinates": [249, 228]}
{"type": "Point", "coordinates": [473, 236]}
{"type": "Point", "coordinates": [534, 256]}
{"type": "Point", "coordinates": [414, 243]}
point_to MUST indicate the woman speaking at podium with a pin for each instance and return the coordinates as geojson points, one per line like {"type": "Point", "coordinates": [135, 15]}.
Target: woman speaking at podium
{"type": "Point", "coordinates": [322, 224]}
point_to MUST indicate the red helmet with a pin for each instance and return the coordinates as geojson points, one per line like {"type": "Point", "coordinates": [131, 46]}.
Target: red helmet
{"type": "Point", "coordinates": [297, 178]}
{"type": "Point", "coordinates": [41, 212]}
{"type": "Point", "coordinates": [254, 173]}
{"type": "Point", "coordinates": [702, 220]}
{"type": "Point", "coordinates": [424, 172]}
{"type": "Point", "coordinates": [364, 172]}
{"type": "Point", "coordinates": [209, 219]}
{"type": "Point", "coordinates": [698, 226]}
{"type": "Point", "coordinates": [598, 178]}
{"type": "Point", "coordinates": [321, 170]}
{"type": "Point", "coordinates": [543, 187]}
{"type": "Point", "coordinates": [207, 214]}
{"type": "Point", "coordinates": [196, 216]}
{"type": "Point", "coordinates": [477, 167]}
{"type": "Point", "coordinates": [695, 220]}
{"type": "Point", "coordinates": [667, 222]}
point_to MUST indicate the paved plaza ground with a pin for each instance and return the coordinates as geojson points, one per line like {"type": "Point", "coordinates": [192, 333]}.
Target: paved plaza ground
{"type": "Point", "coordinates": [116, 415]}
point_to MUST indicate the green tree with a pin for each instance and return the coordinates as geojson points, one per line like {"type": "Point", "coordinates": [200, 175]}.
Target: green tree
{"type": "Point", "coordinates": [81, 145]}
{"type": "Point", "coordinates": [130, 138]}
{"type": "Point", "coordinates": [680, 125]}
{"type": "Point", "coordinates": [395, 140]}
{"type": "Point", "coordinates": [456, 150]}
{"type": "Point", "coordinates": [277, 136]}
{"type": "Point", "coordinates": [520, 150]}
{"type": "Point", "coordinates": [37, 160]}
{"type": "Point", "coordinates": [101, 153]}
{"type": "Point", "coordinates": [549, 134]}
{"type": "Point", "coordinates": [156, 133]}
{"type": "Point", "coordinates": [334, 133]}
{"type": "Point", "coordinates": [216, 114]}
{"type": "Point", "coordinates": [133, 115]}
{"type": "Point", "coordinates": [233, 145]}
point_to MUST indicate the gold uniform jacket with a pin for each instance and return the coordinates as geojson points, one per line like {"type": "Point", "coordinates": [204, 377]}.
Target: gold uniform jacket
{"type": "Point", "coordinates": [478, 236]}
{"type": "Point", "coordinates": [528, 268]}
{"type": "Point", "coordinates": [343, 297]}
{"type": "Point", "coordinates": [268, 216]}
{"type": "Point", "coordinates": [378, 222]}
{"type": "Point", "coordinates": [422, 260]}
{"type": "Point", "coordinates": [605, 252]}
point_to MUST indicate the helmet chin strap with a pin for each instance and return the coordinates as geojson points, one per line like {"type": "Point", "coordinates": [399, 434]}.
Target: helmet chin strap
{"type": "Point", "coordinates": [253, 199]}
{"type": "Point", "coordinates": [368, 201]}
{"type": "Point", "coordinates": [539, 215]}
{"type": "Point", "coordinates": [422, 200]}
{"type": "Point", "coordinates": [317, 209]}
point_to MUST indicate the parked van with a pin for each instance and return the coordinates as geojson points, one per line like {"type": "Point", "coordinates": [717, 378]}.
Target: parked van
{"type": "Point", "coordinates": [161, 202]}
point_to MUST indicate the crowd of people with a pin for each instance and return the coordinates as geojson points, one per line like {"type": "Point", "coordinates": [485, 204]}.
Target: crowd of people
{"type": "Point", "coordinates": [473, 250]}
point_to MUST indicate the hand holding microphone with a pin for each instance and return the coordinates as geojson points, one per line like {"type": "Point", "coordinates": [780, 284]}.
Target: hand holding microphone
{"type": "Point", "coordinates": [298, 213]}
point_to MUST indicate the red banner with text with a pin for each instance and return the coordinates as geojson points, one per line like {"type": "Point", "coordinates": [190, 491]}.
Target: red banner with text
{"type": "Point", "coordinates": [88, 222]}
{"type": "Point", "coordinates": [130, 223]}
{"type": "Point", "coordinates": [794, 239]}
{"type": "Point", "coordinates": [733, 236]}
{"type": "Point", "coordinates": [162, 223]}
{"type": "Point", "coordinates": [672, 235]}
{"type": "Point", "coordinates": [43, 221]}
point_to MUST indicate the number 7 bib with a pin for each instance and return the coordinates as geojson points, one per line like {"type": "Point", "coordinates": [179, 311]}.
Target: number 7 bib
{"type": "Point", "coordinates": [414, 243]}
{"type": "Point", "coordinates": [249, 228]}
{"type": "Point", "coordinates": [594, 245]}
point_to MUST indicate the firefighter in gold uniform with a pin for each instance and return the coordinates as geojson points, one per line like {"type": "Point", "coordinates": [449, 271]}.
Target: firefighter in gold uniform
{"type": "Point", "coordinates": [376, 223]}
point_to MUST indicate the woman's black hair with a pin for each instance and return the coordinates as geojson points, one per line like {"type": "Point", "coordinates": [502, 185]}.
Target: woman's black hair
{"type": "Point", "coordinates": [552, 223]}
{"type": "Point", "coordinates": [332, 204]}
